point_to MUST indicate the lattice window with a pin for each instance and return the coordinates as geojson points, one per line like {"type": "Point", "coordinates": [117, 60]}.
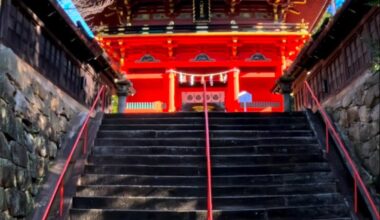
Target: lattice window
{"type": "Point", "coordinates": [42, 51]}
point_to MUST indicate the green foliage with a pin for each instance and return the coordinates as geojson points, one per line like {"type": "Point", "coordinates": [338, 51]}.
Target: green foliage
{"type": "Point", "coordinates": [374, 3]}
{"type": "Point", "coordinates": [376, 58]}
{"type": "Point", "coordinates": [321, 25]}
{"type": "Point", "coordinates": [114, 104]}
{"type": "Point", "coordinates": [286, 78]}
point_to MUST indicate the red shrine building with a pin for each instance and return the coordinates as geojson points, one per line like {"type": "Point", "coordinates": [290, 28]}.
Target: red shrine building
{"type": "Point", "coordinates": [168, 48]}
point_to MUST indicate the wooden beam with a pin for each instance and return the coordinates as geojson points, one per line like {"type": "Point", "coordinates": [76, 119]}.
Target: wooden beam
{"type": "Point", "coordinates": [187, 64]}
{"type": "Point", "coordinates": [145, 76]}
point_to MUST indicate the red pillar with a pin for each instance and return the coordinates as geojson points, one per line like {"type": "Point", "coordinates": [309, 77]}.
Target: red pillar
{"type": "Point", "coordinates": [230, 99]}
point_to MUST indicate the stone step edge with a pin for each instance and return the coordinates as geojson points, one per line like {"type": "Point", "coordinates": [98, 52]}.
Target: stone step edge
{"type": "Point", "coordinates": [336, 194]}
{"type": "Point", "coordinates": [218, 210]}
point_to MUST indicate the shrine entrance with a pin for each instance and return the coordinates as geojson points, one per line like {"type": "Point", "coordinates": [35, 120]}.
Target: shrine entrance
{"type": "Point", "coordinates": [167, 69]}
{"type": "Point", "coordinates": [192, 91]}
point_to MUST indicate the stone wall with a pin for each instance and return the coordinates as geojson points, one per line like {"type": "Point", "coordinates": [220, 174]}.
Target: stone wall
{"type": "Point", "coordinates": [356, 111]}
{"type": "Point", "coordinates": [34, 115]}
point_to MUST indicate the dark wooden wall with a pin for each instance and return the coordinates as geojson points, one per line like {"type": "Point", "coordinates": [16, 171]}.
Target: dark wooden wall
{"type": "Point", "coordinates": [23, 32]}
{"type": "Point", "coordinates": [347, 62]}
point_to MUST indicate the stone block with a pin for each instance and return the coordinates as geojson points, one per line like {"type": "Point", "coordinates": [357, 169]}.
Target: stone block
{"type": "Point", "coordinates": [39, 91]}
{"type": "Point", "coordinates": [7, 173]}
{"type": "Point", "coordinates": [62, 108]}
{"type": "Point", "coordinates": [53, 149]}
{"type": "Point", "coordinates": [375, 128]}
{"type": "Point", "coordinates": [40, 145]}
{"type": "Point", "coordinates": [46, 107]}
{"type": "Point", "coordinates": [61, 140]}
{"type": "Point", "coordinates": [29, 203]}
{"type": "Point", "coordinates": [374, 163]}
{"type": "Point", "coordinates": [52, 134]}
{"type": "Point", "coordinates": [354, 132]}
{"type": "Point", "coordinates": [336, 115]}
{"type": "Point", "coordinates": [374, 79]}
{"type": "Point", "coordinates": [5, 150]}
{"type": "Point", "coordinates": [371, 96]}
{"type": "Point", "coordinates": [29, 142]}
{"type": "Point", "coordinates": [23, 179]}
{"type": "Point", "coordinates": [54, 103]}
{"type": "Point", "coordinates": [365, 132]}
{"type": "Point", "coordinates": [29, 126]}
{"type": "Point", "coordinates": [19, 154]}
{"type": "Point", "coordinates": [3, 201]}
{"type": "Point", "coordinates": [21, 104]}
{"type": "Point", "coordinates": [7, 90]}
{"type": "Point", "coordinates": [17, 202]}
{"type": "Point", "coordinates": [37, 103]}
{"type": "Point", "coordinates": [63, 122]}
{"type": "Point", "coordinates": [358, 98]}
{"type": "Point", "coordinates": [10, 125]}
{"type": "Point", "coordinates": [54, 122]}
{"type": "Point", "coordinates": [32, 165]}
{"type": "Point", "coordinates": [6, 216]}
{"type": "Point", "coordinates": [343, 121]}
{"type": "Point", "coordinates": [42, 122]}
{"type": "Point", "coordinates": [347, 100]}
{"type": "Point", "coordinates": [364, 114]}
{"type": "Point", "coordinates": [41, 167]}
{"type": "Point", "coordinates": [368, 148]}
{"type": "Point", "coordinates": [42, 151]}
{"type": "Point", "coordinates": [34, 190]}
{"type": "Point", "coordinates": [353, 114]}
{"type": "Point", "coordinates": [375, 113]}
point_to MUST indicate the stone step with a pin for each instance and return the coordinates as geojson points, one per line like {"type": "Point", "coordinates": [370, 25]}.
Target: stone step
{"type": "Point", "coordinates": [317, 212]}
{"type": "Point", "coordinates": [242, 159]}
{"type": "Point", "coordinates": [215, 150]}
{"type": "Point", "coordinates": [152, 166]}
{"type": "Point", "coordinates": [197, 203]}
{"type": "Point", "coordinates": [217, 180]}
{"type": "Point", "coordinates": [189, 170]}
{"type": "Point", "coordinates": [200, 120]}
{"type": "Point", "coordinates": [201, 142]}
{"type": "Point", "coordinates": [199, 191]}
{"type": "Point", "coordinates": [201, 126]}
{"type": "Point", "coordinates": [201, 133]}
{"type": "Point", "coordinates": [201, 114]}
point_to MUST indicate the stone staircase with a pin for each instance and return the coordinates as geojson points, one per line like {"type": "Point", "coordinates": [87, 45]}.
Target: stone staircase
{"type": "Point", "coordinates": [265, 166]}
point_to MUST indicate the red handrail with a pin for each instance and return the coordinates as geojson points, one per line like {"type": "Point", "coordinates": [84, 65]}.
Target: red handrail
{"type": "Point", "coordinates": [60, 185]}
{"type": "Point", "coordinates": [358, 181]}
{"type": "Point", "coordinates": [209, 185]}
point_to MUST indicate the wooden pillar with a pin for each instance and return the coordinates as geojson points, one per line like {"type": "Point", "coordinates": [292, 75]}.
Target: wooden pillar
{"type": "Point", "coordinates": [236, 75]}
{"type": "Point", "coordinates": [172, 92]}
{"type": "Point", "coordinates": [230, 97]}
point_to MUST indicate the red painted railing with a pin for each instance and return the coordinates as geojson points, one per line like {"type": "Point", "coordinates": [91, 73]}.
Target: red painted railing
{"type": "Point", "coordinates": [208, 157]}
{"type": "Point", "coordinates": [59, 187]}
{"type": "Point", "coordinates": [358, 181]}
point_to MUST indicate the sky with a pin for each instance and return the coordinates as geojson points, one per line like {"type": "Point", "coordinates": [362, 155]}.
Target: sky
{"type": "Point", "coordinates": [73, 13]}
{"type": "Point", "coordinates": [338, 4]}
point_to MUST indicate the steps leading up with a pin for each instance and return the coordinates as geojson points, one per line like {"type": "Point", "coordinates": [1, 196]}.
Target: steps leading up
{"type": "Point", "coordinates": [264, 166]}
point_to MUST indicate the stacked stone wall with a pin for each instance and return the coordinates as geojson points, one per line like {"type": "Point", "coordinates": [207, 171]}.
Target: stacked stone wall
{"type": "Point", "coordinates": [356, 112]}
{"type": "Point", "coordinates": [34, 117]}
